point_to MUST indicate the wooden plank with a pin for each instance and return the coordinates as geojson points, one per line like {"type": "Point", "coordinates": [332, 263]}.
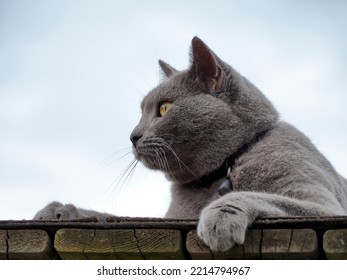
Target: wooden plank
{"type": "Point", "coordinates": [249, 250]}
{"type": "Point", "coordinates": [159, 243]}
{"type": "Point", "coordinates": [96, 244]}
{"type": "Point", "coordinates": [70, 243]}
{"type": "Point", "coordinates": [3, 245]}
{"type": "Point", "coordinates": [118, 244]}
{"type": "Point", "coordinates": [289, 244]}
{"type": "Point", "coordinates": [317, 223]}
{"type": "Point", "coordinates": [124, 244]}
{"type": "Point", "coordinates": [196, 248]}
{"type": "Point", "coordinates": [262, 244]}
{"type": "Point", "coordinates": [25, 244]}
{"type": "Point", "coordinates": [251, 247]}
{"type": "Point", "coordinates": [335, 244]}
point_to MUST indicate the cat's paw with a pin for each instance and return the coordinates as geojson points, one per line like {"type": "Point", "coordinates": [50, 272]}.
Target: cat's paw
{"type": "Point", "coordinates": [58, 211]}
{"type": "Point", "coordinates": [222, 224]}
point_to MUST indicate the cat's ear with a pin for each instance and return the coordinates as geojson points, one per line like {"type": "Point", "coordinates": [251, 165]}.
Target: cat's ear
{"type": "Point", "coordinates": [205, 67]}
{"type": "Point", "coordinates": [167, 70]}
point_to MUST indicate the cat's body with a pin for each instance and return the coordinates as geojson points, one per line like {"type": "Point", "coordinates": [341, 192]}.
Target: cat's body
{"type": "Point", "coordinates": [207, 123]}
{"type": "Point", "coordinates": [284, 163]}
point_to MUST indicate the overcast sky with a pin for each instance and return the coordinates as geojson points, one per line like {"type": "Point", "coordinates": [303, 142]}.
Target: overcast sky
{"type": "Point", "coordinates": [72, 75]}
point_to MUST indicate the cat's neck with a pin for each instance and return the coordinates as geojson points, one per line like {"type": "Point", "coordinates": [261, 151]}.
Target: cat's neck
{"type": "Point", "coordinates": [228, 164]}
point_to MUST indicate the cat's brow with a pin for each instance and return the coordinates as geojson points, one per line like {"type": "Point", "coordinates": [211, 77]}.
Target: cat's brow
{"type": "Point", "coordinates": [163, 96]}
{"type": "Point", "coordinates": [155, 99]}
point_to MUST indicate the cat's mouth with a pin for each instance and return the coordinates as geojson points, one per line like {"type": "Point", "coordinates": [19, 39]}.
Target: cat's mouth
{"type": "Point", "coordinates": [156, 154]}
{"type": "Point", "coordinates": [153, 157]}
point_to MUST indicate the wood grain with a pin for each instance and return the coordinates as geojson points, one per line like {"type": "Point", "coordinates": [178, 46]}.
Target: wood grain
{"type": "Point", "coordinates": [118, 244]}
{"type": "Point", "coordinates": [262, 244]}
{"type": "Point", "coordinates": [335, 244]}
{"type": "Point", "coordinates": [289, 244]}
{"type": "Point", "coordinates": [249, 250]}
{"type": "Point", "coordinates": [25, 244]}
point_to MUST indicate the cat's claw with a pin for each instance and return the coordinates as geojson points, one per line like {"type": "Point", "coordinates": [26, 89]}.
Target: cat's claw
{"type": "Point", "coordinates": [221, 226]}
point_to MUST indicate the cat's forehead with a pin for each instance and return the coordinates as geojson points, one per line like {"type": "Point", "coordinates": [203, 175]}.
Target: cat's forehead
{"type": "Point", "coordinates": [156, 95]}
{"type": "Point", "coordinates": [168, 90]}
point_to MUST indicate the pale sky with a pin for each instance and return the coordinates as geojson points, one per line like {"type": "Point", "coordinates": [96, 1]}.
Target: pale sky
{"type": "Point", "coordinates": [73, 73]}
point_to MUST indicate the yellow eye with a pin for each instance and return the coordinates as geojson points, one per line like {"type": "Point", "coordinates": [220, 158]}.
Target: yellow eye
{"type": "Point", "coordinates": [164, 107]}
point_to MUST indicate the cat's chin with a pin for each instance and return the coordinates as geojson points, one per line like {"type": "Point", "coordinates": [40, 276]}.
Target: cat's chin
{"type": "Point", "coordinates": [153, 165]}
{"type": "Point", "coordinates": [175, 177]}
{"type": "Point", "coordinates": [181, 178]}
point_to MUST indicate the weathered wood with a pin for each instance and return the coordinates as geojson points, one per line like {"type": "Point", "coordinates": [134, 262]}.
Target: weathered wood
{"type": "Point", "coordinates": [197, 249]}
{"type": "Point", "coordinates": [249, 250]}
{"type": "Point", "coordinates": [3, 245]}
{"type": "Point", "coordinates": [118, 244]}
{"type": "Point", "coordinates": [335, 244]}
{"type": "Point", "coordinates": [153, 238]}
{"type": "Point", "coordinates": [72, 244]}
{"type": "Point", "coordinates": [159, 243]}
{"type": "Point", "coordinates": [251, 247]}
{"type": "Point", "coordinates": [266, 244]}
{"type": "Point", "coordinates": [316, 223]}
{"type": "Point", "coordinates": [24, 245]}
{"type": "Point", "coordinates": [289, 244]}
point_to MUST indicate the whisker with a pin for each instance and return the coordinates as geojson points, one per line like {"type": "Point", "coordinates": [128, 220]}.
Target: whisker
{"type": "Point", "coordinates": [179, 160]}
{"type": "Point", "coordinates": [126, 172]}
{"type": "Point", "coordinates": [160, 159]}
{"type": "Point", "coordinates": [116, 159]}
{"type": "Point", "coordinates": [167, 166]}
{"type": "Point", "coordinates": [129, 174]}
{"type": "Point", "coordinates": [107, 161]}
{"type": "Point", "coordinates": [159, 143]}
{"type": "Point", "coordinates": [119, 183]}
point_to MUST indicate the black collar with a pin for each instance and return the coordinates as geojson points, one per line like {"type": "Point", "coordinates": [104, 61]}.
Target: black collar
{"type": "Point", "coordinates": [228, 163]}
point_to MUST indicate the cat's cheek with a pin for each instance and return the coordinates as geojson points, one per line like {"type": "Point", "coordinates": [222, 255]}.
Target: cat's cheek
{"type": "Point", "coordinates": [135, 153]}
{"type": "Point", "coordinates": [140, 156]}
{"type": "Point", "coordinates": [143, 160]}
{"type": "Point", "coordinates": [149, 163]}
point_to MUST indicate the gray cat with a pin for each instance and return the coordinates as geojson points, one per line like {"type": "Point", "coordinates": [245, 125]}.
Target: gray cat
{"type": "Point", "coordinates": [219, 141]}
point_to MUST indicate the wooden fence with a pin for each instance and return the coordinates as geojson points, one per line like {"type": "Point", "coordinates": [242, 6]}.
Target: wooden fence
{"type": "Point", "coordinates": [147, 238]}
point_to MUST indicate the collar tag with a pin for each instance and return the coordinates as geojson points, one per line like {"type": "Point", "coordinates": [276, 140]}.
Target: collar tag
{"type": "Point", "coordinates": [226, 185]}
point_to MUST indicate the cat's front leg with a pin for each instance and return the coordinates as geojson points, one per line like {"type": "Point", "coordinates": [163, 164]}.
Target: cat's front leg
{"type": "Point", "coordinates": [58, 211]}
{"type": "Point", "coordinates": [224, 222]}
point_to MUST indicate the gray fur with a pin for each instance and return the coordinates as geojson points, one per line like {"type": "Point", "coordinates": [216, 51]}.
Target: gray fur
{"type": "Point", "coordinates": [58, 211]}
{"type": "Point", "coordinates": [214, 112]}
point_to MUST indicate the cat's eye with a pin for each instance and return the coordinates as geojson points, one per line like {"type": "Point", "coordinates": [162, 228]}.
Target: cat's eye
{"type": "Point", "coordinates": [164, 107]}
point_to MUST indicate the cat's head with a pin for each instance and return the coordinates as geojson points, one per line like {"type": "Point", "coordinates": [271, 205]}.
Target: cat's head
{"type": "Point", "coordinates": [196, 118]}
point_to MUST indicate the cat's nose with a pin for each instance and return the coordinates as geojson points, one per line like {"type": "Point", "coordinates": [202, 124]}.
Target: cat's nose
{"type": "Point", "coordinates": [134, 137]}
